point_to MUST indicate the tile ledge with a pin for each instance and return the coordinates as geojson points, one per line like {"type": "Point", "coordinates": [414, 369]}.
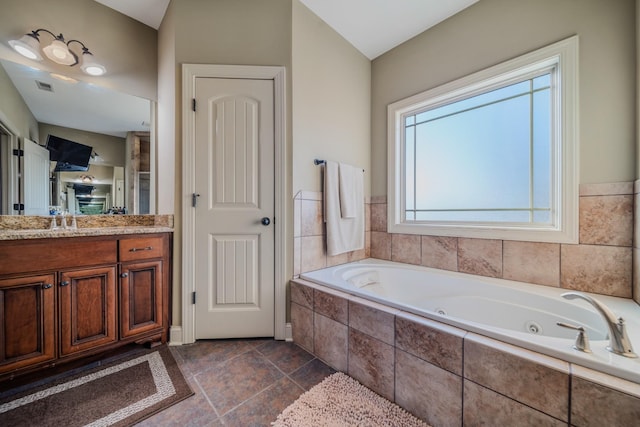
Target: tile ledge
{"type": "Point", "coordinates": [606, 380]}
{"type": "Point", "coordinates": [433, 324]}
{"type": "Point", "coordinates": [529, 355]}
{"type": "Point", "coordinates": [607, 189]}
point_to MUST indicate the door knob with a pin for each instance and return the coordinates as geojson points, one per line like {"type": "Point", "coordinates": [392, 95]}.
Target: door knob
{"type": "Point", "coordinates": [265, 221]}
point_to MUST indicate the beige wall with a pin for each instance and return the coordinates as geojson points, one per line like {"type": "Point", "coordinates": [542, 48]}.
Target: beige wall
{"type": "Point", "coordinates": [331, 100]}
{"type": "Point", "coordinates": [492, 31]}
{"type": "Point", "coordinates": [167, 185]}
{"type": "Point", "coordinates": [247, 32]}
{"type": "Point", "coordinates": [127, 48]}
{"type": "Point", "coordinates": [637, 91]}
{"type": "Point", "coordinates": [167, 102]}
{"type": "Point", "coordinates": [13, 110]}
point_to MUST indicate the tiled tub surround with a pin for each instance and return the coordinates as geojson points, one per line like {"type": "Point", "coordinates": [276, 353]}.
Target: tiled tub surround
{"type": "Point", "coordinates": [501, 309]}
{"type": "Point", "coordinates": [449, 376]}
{"type": "Point", "coordinates": [309, 231]}
{"type": "Point", "coordinates": [601, 263]}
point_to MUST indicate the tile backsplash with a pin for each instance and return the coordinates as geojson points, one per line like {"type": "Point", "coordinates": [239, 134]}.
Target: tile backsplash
{"type": "Point", "coordinates": [309, 230]}
{"type": "Point", "coordinates": [602, 262]}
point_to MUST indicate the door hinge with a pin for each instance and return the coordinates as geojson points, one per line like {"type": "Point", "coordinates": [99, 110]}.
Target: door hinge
{"type": "Point", "coordinates": [19, 153]}
{"type": "Point", "coordinates": [193, 297]}
{"type": "Point", "coordinates": [18, 206]}
{"type": "Point", "coordinates": [193, 104]}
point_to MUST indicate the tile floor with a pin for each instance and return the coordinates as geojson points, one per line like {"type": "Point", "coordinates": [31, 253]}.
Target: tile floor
{"type": "Point", "coordinates": [240, 382]}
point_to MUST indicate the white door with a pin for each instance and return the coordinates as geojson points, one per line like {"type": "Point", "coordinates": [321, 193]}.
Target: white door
{"type": "Point", "coordinates": [119, 193]}
{"type": "Point", "coordinates": [234, 232]}
{"type": "Point", "coordinates": [36, 179]}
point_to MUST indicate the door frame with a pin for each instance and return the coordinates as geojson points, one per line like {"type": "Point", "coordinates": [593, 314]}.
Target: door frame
{"type": "Point", "coordinates": [11, 166]}
{"type": "Point", "coordinates": [190, 72]}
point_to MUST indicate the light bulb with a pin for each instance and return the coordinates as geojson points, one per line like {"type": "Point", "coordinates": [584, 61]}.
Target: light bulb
{"type": "Point", "coordinates": [90, 66]}
{"type": "Point", "coordinates": [27, 46]}
{"type": "Point", "coordinates": [26, 52]}
{"type": "Point", "coordinates": [59, 53]}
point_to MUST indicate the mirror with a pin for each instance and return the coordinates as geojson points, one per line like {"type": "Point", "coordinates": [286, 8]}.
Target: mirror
{"type": "Point", "coordinates": [114, 125]}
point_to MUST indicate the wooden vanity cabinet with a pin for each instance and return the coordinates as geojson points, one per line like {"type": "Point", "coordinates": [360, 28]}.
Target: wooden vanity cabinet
{"type": "Point", "coordinates": [142, 274]}
{"type": "Point", "coordinates": [87, 303]}
{"type": "Point", "coordinates": [66, 298]}
{"type": "Point", "coordinates": [27, 324]}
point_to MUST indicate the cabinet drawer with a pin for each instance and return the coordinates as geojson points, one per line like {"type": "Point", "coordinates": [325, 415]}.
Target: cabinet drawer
{"type": "Point", "coordinates": [138, 248]}
{"type": "Point", "coordinates": [26, 256]}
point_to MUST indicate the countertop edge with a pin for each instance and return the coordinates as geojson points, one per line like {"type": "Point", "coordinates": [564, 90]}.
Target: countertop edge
{"type": "Point", "coordinates": [81, 232]}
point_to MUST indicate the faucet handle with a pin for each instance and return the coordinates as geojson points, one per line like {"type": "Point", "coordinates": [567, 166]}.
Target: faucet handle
{"type": "Point", "coordinates": [582, 340]}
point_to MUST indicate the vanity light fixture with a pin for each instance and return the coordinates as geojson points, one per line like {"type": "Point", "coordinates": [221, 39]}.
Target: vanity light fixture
{"type": "Point", "coordinates": [57, 51]}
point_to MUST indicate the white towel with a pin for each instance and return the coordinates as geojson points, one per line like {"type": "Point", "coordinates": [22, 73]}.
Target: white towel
{"type": "Point", "coordinates": [343, 234]}
{"type": "Point", "coordinates": [348, 177]}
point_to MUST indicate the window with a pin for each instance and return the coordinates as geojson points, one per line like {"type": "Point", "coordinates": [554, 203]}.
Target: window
{"type": "Point", "coordinates": [491, 155]}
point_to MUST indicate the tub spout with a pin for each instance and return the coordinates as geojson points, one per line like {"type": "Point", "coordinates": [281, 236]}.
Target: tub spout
{"type": "Point", "coordinates": [619, 342]}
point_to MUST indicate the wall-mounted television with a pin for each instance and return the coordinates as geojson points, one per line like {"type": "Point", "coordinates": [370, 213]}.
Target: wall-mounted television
{"type": "Point", "coordinates": [82, 189]}
{"type": "Point", "coordinates": [71, 156]}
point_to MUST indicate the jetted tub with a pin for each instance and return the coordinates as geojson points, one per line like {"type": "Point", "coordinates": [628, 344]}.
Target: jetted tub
{"type": "Point", "coordinates": [514, 312]}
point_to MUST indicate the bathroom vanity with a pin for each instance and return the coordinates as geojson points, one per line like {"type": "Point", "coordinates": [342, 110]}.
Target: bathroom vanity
{"type": "Point", "coordinates": [81, 293]}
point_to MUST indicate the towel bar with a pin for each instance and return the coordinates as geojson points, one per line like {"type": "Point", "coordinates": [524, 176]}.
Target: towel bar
{"type": "Point", "coordinates": [322, 162]}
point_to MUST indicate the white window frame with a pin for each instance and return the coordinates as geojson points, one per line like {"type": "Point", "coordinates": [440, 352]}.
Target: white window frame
{"type": "Point", "coordinates": [563, 56]}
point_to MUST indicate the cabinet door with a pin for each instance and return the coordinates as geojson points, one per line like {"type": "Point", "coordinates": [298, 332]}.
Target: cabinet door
{"type": "Point", "coordinates": [87, 309]}
{"type": "Point", "coordinates": [27, 321]}
{"type": "Point", "coordinates": [140, 297]}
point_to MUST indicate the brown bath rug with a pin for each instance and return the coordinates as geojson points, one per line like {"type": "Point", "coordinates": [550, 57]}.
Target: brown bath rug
{"type": "Point", "coordinates": [120, 393]}
{"type": "Point", "coordinates": [340, 400]}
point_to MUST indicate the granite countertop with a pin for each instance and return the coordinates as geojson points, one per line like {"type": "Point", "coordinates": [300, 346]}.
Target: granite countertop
{"type": "Point", "coordinates": [15, 227]}
{"type": "Point", "coordinates": [79, 232]}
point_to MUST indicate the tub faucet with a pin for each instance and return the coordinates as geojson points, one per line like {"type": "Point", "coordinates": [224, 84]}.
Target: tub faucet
{"type": "Point", "coordinates": [619, 342]}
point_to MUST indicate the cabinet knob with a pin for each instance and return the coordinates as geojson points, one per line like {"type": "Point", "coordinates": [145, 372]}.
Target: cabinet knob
{"type": "Point", "coordinates": [47, 286]}
{"type": "Point", "coordinates": [124, 275]}
{"type": "Point", "coordinates": [65, 283]}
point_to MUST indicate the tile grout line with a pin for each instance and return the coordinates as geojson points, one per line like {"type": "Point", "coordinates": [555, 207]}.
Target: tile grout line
{"type": "Point", "coordinates": [215, 411]}
{"type": "Point", "coordinates": [272, 385]}
{"type": "Point", "coordinates": [288, 376]}
{"type": "Point", "coordinates": [206, 396]}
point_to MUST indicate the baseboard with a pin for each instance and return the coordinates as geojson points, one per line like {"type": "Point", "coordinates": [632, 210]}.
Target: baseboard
{"type": "Point", "coordinates": [288, 334]}
{"type": "Point", "coordinates": [175, 335]}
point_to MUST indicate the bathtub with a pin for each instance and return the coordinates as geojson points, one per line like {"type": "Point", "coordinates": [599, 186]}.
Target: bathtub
{"type": "Point", "coordinates": [514, 312]}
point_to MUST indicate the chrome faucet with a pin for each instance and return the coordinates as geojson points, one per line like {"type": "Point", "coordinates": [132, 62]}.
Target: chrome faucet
{"type": "Point", "coordinates": [619, 342]}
